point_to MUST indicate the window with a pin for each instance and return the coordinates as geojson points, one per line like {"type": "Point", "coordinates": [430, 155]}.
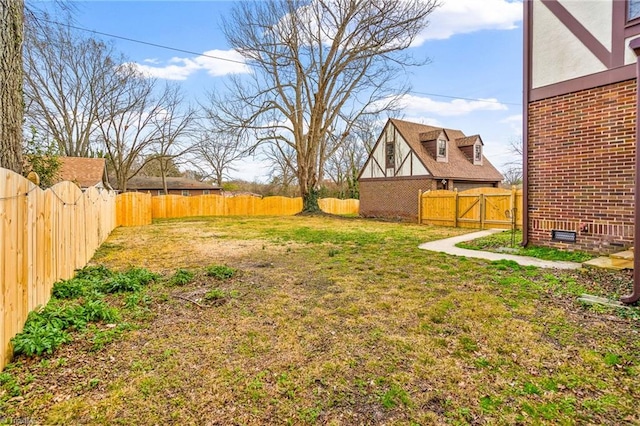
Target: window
{"type": "Point", "coordinates": [477, 153]}
{"type": "Point", "coordinates": [206, 192]}
{"type": "Point", "coordinates": [185, 192]}
{"type": "Point", "coordinates": [442, 148]}
{"type": "Point", "coordinates": [634, 10]}
{"type": "Point", "coordinates": [390, 155]}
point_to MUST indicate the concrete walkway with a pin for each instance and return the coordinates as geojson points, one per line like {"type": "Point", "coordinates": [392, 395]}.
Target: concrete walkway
{"type": "Point", "coordinates": [448, 246]}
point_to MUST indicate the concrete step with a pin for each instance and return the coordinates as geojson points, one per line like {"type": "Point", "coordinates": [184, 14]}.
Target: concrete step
{"type": "Point", "coordinates": [608, 263]}
{"type": "Point", "coordinates": [622, 258]}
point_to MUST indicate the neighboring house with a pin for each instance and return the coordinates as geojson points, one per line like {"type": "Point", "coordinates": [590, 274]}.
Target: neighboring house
{"type": "Point", "coordinates": [409, 157]}
{"type": "Point", "coordinates": [579, 135]}
{"type": "Point", "coordinates": [175, 186]}
{"type": "Point", "coordinates": [84, 172]}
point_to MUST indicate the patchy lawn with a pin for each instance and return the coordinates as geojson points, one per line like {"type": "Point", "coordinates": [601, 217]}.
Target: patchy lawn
{"type": "Point", "coordinates": [308, 320]}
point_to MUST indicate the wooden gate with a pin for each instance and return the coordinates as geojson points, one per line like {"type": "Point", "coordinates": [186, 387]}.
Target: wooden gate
{"type": "Point", "coordinates": [476, 208]}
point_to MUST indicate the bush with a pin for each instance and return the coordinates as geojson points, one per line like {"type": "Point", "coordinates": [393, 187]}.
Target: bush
{"type": "Point", "coordinates": [220, 272]}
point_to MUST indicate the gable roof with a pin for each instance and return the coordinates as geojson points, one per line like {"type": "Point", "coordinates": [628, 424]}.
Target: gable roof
{"type": "Point", "coordinates": [458, 166]}
{"type": "Point", "coordinates": [85, 172]}
{"type": "Point", "coordinates": [143, 183]}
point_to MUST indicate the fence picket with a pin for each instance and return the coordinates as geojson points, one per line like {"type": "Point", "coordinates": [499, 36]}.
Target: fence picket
{"type": "Point", "coordinates": [44, 237]}
{"type": "Point", "coordinates": [137, 209]}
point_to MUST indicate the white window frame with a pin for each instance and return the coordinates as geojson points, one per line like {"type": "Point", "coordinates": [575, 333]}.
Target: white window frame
{"type": "Point", "coordinates": [185, 192]}
{"type": "Point", "coordinates": [477, 154]}
{"type": "Point", "coordinates": [441, 143]}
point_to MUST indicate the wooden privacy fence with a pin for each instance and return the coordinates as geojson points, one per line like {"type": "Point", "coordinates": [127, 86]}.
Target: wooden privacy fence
{"type": "Point", "coordinates": [137, 209]}
{"type": "Point", "coordinates": [44, 237]}
{"type": "Point", "coordinates": [476, 208]}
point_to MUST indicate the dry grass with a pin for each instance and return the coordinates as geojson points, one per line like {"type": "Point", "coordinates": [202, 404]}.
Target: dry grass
{"type": "Point", "coordinates": [335, 321]}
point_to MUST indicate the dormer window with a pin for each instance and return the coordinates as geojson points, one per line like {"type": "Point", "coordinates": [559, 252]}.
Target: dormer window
{"type": "Point", "coordinates": [442, 148]}
{"type": "Point", "coordinates": [477, 154]}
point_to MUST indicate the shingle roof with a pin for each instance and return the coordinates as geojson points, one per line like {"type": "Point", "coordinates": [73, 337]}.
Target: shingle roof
{"type": "Point", "coordinates": [429, 136]}
{"type": "Point", "coordinates": [141, 183]}
{"type": "Point", "coordinates": [468, 141]}
{"type": "Point", "coordinates": [458, 166]}
{"type": "Point", "coordinates": [85, 172]}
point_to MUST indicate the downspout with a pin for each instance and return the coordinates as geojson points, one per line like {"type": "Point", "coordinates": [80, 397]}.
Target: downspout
{"type": "Point", "coordinates": [635, 295]}
{"type": "Point", "coordinates": [526, 82]}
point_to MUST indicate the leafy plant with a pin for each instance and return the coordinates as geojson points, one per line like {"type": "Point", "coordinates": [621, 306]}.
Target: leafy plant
{"type": "Point", "coordinates": [69, 289]}
{"type": "Point", "coordinates": [132, 280]}
{"type": "Point", "coordinates": [215, 294]}
{"type": "Point", "coordinates": [181, 277]}
{"type": "Point", "coordinates": [220, 272]}
{"type": "Point", "coordinates": [38, 339]}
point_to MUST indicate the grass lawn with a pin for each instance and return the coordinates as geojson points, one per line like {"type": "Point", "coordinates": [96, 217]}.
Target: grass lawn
{"type": "Point", "coordinates": [501, 242]}
{"type": "Point", "coordinates": [318, 320]}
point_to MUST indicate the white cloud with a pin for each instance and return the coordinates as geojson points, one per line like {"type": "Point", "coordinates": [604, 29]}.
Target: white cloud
{"type": "Point", "coordinates": [216, 63]}
{"type": "Point", "coordinates": [467, 16]}
{"type": "Point", "coordinates": [515, 123]}
{"type": "Point", "coordinates": [418, 106]}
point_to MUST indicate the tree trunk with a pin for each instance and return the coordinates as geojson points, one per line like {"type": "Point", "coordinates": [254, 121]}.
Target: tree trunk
{"type": "Point", "coordinates": [11, 103]}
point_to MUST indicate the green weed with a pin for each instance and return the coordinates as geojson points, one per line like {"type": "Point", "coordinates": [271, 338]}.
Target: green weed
{"type": "Point", "coordinates": [221, 272]}
{"type": "Point", "coordinates": [181, 277]}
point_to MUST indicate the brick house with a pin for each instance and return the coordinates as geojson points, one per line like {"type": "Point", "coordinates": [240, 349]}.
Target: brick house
{"type": "Point", "coordinates": [579, 133]}
{"type": "Point", "coordinates": [175, 186]}
{"type": "Point", "coordinates": [409, 157]}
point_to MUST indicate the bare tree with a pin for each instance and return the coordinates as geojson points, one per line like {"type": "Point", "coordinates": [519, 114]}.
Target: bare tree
{"type": "Point", "coordinates": [67, 77]}
{"type": "Point", "coordinates": [282, 158]}
{"type": "Point", "coordinates": [174, 126]}
{"type": "Point", "coordinates": [11, 108]}
{"type": "Point", "coordinates": [317, 67]}
{"type": "Point", "coordinates": [513, 170]}
{"type": "Point", "coordinates": [216, 152]}
{"type": "Point", "coordinates": [128, 123]}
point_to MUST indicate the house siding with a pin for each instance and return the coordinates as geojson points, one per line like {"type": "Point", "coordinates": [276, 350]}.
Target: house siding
{"type": "Point", "coordinates": [392, 198]}
{"type": "Point", "coordinates": [581, 151]}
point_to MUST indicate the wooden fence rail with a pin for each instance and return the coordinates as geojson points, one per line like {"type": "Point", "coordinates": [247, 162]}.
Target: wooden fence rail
{"type": "Point", "coordinates": [476, 208]}
{"type": "Point", "coordinates": [137, 209]}
{"type": "Point", "coordinates": [44, 237]}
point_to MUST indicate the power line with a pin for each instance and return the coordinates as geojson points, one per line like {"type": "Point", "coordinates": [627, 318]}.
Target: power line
{"type": "Point", "coordinates": [161, 46]}
{"type": "Point", "coordinates": [190, 52]}
{"type": "Point", "coordinates": [464, 99]}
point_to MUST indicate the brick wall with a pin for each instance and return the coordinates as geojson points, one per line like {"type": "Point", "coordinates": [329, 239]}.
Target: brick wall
{"type": "Point", "coordinates": [581, 151]}
{"type": "Point", "coordinates": [392, 198]}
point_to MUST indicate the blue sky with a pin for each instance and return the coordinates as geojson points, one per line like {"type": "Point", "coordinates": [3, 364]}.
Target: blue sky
{"type": "Point", "coordinates": [475, 47]}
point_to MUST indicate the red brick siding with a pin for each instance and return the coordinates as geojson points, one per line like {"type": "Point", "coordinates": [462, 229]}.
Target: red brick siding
{"type": "Point", "coordinates": [581, 149]}
{"type": "Point", "coordinates": [392, 198]}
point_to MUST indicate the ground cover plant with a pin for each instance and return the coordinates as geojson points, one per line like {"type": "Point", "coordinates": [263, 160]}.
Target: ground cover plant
{"type": "Point", "coordinates": [502, 242]}
{"type": "Point", "coordinates": [308, 320]}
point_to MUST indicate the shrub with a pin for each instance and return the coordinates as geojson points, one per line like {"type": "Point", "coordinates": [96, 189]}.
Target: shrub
{"type": "Point", "coordinates": [220, 272]}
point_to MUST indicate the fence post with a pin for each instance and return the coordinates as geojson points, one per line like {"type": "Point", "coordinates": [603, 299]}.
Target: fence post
{"type": "Point", "coordinates": [419, 206]}
{"type": "Point", "coordinates": [482, 211]}
{"type": "Point", "coordinates": [457, 212]}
